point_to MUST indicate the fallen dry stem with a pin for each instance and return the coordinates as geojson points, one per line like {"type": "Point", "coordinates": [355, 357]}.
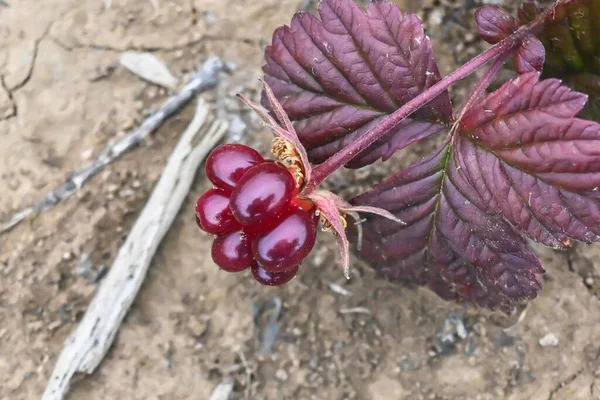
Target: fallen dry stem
{"type": "Point", "coordinates": [205, 78]}
{"type": "Point", "coordinates": [86, 347]}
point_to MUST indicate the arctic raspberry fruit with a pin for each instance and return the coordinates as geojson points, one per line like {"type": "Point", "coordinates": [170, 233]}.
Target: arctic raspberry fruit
{"type": "Point", "coordinates": [262, 195]}
{"type": "Point", "coordinates": [213, 214]}
{"type": "Point", "coordinates": [232, 252]}
{"type": "Point", "coordinates": [287, 243]}
{"type": "Point", "coordinates": [273, 278]}
{"type": "Point", "coordinates": [257, 212]}
{"type": "Point", "coordinates": [226, 164]}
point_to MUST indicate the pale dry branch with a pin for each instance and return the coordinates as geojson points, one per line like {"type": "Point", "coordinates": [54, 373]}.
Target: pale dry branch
{"type": "Point", "coordinates": [205, 78]}
{"type": "Point", "coordinates": [87, 345]}
{"type": "Point", "coordinates": [148, 67]}
{"type": "Point", "coordinates": [223, 390]}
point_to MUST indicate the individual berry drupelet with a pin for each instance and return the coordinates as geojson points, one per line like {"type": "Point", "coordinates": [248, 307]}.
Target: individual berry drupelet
{"type": "Point", "coordinates": [255, 212]}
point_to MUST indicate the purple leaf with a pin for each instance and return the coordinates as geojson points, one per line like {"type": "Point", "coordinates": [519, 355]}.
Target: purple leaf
{"type": "Point", "coordinates": [494, 23]}
{"type": "Point", "coordinates": [521, 164]}
{"type": "Point", "coordinates": [539, 157]}
{"type": "Point", "coordinates": [338, 76]}
{"type": "Point", "coordinates": [530, 56]}
{"type": "Point", "coordinates": [478, 257]}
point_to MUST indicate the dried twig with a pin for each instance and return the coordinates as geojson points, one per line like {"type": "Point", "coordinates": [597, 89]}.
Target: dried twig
{"type": "Point", "coordinates": [248, 374]}
{"type": "Point", "coordinates": [339, 289]}
{"type": "Point", "coordinates": [223, 390]}
{"type": "Point", "coordinates": [205, 78]}
{"type": "Point", "coordinates": [355, 310]}
{"type": "Point", "coordinates": [86, 347]}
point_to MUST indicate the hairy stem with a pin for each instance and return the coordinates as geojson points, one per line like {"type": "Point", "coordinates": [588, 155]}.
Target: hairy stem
{"type": "Point", "coordinates": [502, 48]}
{"type": "Point", "coordinates": [481, 86]}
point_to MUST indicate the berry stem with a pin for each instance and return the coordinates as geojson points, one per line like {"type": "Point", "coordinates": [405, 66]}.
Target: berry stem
{"type": "Point", "coordinates": [500, 50]}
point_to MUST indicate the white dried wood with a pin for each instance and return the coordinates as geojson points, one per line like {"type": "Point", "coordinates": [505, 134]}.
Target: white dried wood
{"type": "Point", "coordinates": [148, 67]}
{"type": "Point", "coordinates": [88, 344]}
{"type": "Point", "coordinates": [223, 390]}
{"type": "Point", "coordinates": [205, 78]}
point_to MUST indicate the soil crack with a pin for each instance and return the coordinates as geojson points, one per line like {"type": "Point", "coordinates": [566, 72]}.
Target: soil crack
{"type": "Point", "coordinates": [13, 106]}
{"type": "Point", "coordinates": [34, 56]}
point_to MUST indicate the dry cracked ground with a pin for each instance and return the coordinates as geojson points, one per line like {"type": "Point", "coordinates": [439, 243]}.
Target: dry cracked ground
{"type": "Point", "coordinates": [63, 96]}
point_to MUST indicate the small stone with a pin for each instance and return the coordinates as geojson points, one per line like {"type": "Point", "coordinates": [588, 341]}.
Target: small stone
{"type": "Point", "coordinates": [86, 154]}
{"type": "Point", "coordinates": [84, 266]}
{"type": "Point", "coordinates": [231, 66]}
{"type": "Point", "coordinates": [196, 326]}
{"type": "Point", "coordinates": [436, 17]}
{"type": "Point", "coordinates": [281, 375]}
{"type": "Point", "coordinates": [54, 325]}
{"type": "Point", "coordinates": [112, 188]}
{"type": "Point", "coordinates": [14, 184]}
{"type": "Point", "coordinates": [209, 18]}
{"type": "Point", "coordinates": [548, 340]}
{"type": "Point", "coordinates": [35, 326]}
{"type": "Point", "coordinates": [126, 192]}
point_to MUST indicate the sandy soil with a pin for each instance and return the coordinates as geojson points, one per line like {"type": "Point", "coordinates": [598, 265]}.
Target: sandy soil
{"type": "Point", "coordinates": [63, 96]}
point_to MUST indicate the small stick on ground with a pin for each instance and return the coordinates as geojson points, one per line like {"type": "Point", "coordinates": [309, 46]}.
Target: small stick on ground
{"type": "Point", "coordinates": [223, 390]}
{"type": "Point", "coordinates": [87, 345]}
{"type": "Point", "coordinates": [205, 78]}
{"type": "Point", "coordinates": [248, 374]}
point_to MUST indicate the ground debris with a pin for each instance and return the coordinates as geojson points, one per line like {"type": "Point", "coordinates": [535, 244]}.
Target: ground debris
{"type": "Point", "coordinates": [453, 331]}
{"type": "Point", "coordinates": [548, 340]}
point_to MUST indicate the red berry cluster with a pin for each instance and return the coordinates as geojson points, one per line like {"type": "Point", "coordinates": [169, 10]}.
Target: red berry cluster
{"type": "Point", "coordinates": [254, 211]}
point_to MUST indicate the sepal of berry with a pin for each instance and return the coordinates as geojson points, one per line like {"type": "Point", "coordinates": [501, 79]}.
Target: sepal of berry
{"type": "Point", "coordinates": [268, 278]}
{"type": "Point", "coordinates": [333, 209]}
{"type": "Point", "coordinates": [283, 129]}
{"type": "Point", "coordinates": [232, 252]}
{"type": "Point", "coordinates": [213, 214]}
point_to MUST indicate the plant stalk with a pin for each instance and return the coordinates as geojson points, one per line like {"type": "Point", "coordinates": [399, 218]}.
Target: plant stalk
{"type": "Point", "coordinates": [504, 47]}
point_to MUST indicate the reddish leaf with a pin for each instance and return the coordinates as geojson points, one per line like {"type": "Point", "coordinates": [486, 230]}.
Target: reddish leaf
{"type": "Point", "coordinates": [520, 164]}
{"type": "Point", "coordinates": [539, 157]}
{"type": "Point", "coordinates": [494, 23]}
{"type": "Point", "coordinates": [338, 76]}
